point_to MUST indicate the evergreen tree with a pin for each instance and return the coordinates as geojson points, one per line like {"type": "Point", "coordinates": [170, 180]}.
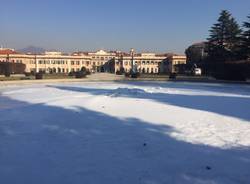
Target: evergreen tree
{"type": "Point", "coordinates": [246, 39]}
{"type": "Point", "coordinates": [223, 43]}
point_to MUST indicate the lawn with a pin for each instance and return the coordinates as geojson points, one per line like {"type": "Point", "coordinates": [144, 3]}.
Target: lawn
{"type": "Point", "coordinates": [125, 132]}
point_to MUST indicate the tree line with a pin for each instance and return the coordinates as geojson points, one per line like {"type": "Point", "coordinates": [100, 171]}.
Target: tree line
{"type": "Point", "coordinates": [227, 50]}
{"type": "Point", "coordinates": [228, 41]}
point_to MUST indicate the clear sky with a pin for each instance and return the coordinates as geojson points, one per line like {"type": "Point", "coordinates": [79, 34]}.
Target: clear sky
{"type": "Point", "coordinates": [147, 25]}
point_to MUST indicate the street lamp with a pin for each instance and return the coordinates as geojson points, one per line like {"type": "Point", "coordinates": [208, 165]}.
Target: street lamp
{"type": "Point", "coordinates": [133, 72]}
{"type": "Point", "coordinates": [133, 67]}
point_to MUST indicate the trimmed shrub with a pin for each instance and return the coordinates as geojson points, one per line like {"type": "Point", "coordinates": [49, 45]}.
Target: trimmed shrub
{"type": "Point", "coordinates": [135, 75]}
{"type": "Point", "coordinates": [172, 75]}
{"type": "Point", "coordinates": [71, 74]}
{"type": "Point", "coordinates": [80, 74]}
{"type": "Point", "coordinates": [83, 69]}
{"type": "Point", "coordinates": [118, 72]}
{"type": "Point", "coordinates": [127, 74]}
{"type": "Point", "coordinates": [39, 76]}
{"type": "Point", "coordinates": [32, 73]}
{"type": "Point", "coordinates": [88, 72]}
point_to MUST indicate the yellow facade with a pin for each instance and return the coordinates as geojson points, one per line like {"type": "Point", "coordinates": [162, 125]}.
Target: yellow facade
{"type": "Point", "coordinates": [100, 61]}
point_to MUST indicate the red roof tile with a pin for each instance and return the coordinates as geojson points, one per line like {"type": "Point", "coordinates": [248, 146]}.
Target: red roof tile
{"type": "Point", "coordinates": [8, 51]}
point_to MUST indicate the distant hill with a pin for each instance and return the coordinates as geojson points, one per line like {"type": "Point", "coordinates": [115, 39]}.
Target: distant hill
{"type": "Point", "coordinates": [32, 50]}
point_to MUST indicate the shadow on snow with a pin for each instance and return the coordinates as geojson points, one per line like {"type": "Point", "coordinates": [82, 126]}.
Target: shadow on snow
{"type": "Point", "coordinates": [233, 106]}
{"type": "Point", "coordinates": [46, 144]}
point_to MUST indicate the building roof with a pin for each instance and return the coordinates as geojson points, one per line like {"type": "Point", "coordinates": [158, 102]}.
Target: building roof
{"type": "Point", "coordinates": [7, 51]}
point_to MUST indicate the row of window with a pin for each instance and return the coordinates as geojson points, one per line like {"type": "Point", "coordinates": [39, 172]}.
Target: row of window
{"type": "Point", "coordinates": [56, 70]}
{"type": "Point", "coordinates": [13, 61]}
{"type": "Point", "coordinates": [102, 58]}
{"type": "Point", "coordinates": [141, 62]}
{"type": "Point", "coordinates": [65, 62]}
{"type": "Point", "coordinates": [178, 62]}
{"type": "Point", "coordinates": [145, 70]}
{"type": "Point", "coordinates": [63, 70]}
{"type": "Point", "coordinates": [58, 62]}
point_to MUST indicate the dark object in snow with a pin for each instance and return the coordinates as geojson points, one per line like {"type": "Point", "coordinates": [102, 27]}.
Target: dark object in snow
{"type": "Point", "coordinates": [208, 168]}
{"type": "Point", "coordinates": [145, 144]}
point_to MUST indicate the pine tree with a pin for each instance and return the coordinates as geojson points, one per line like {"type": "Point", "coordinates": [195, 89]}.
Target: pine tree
{"type": "Point", "coordinates": [246, 39]}
{"type": "Point", "coordinates": [223, 43]}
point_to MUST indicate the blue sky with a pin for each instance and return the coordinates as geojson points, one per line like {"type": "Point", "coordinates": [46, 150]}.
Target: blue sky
{"type": "Point", "coordinates": [147, 25]}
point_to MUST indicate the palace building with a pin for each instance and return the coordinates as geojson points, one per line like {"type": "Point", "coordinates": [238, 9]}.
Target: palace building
{"type": "Point", "coordinates": [100, 61]}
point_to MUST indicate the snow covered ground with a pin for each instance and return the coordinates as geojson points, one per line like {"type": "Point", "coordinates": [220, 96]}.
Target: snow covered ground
{"type": "Point", "coordinates": [136, 132]}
